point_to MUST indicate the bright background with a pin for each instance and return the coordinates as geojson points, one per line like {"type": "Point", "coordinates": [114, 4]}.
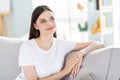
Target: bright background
{"type": "Point", "coordinates": [68, 17]}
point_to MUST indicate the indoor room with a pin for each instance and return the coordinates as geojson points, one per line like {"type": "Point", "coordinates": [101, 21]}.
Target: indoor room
{"type": "Point", "coordinates": [81, 21]}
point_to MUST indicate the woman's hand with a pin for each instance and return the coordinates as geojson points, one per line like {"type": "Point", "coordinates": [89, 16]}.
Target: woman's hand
{"type": "Point", "coordinates": [70, 63]}
{"type": "Point", "coordinates": [76, 68]}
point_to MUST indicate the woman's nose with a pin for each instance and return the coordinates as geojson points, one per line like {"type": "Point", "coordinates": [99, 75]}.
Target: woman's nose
{"type": "Point", "coordinates": [49, 22]}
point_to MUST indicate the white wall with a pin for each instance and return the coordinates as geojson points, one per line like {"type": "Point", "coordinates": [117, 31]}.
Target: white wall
{"type": "Point", "coordinates": [116, 5]}
{"type": "Point", "coordinates": [20, 16]}
{"type": "Point", "coordinates": [4, 5]}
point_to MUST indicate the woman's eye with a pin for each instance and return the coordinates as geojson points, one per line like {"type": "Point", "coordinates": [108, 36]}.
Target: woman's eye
{"type": "Point", "coordinates": [52, 18]}
{"type": "Point", "coordinates": [43, 21]}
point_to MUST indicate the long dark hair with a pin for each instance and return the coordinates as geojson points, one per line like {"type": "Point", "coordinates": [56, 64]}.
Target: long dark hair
{"type": "Point", "coordinates": [36, 13]}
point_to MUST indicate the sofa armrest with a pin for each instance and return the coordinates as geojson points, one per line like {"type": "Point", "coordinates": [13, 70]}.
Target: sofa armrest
{"type": "Point", "coordinates": [95, 63]}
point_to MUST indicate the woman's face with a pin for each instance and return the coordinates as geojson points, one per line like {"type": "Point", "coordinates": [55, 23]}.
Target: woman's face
{"type": "Point", "coordinates": [46, 23]}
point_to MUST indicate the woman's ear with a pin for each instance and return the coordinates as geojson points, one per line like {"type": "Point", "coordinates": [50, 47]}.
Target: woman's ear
{"type": "Point", "coordinates": [35, 26]}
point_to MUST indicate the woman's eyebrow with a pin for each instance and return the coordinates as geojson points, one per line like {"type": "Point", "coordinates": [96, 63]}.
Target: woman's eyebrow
{"type": "Point", "coordinates": [46, 19]}
{"type": "Point", "coordinates": [51, 16]}
{"type": "Point", "coordinates": [42, 19]}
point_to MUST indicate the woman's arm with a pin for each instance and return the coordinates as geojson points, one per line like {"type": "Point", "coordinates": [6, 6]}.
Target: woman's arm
{"type": "Point", "coordinates": [88, 47]}
{"type": "Point", "coordinates": [83, 49]}
{"type": "Point", "coordinates": [57, 76]}
{"type": "Point", "coordinates": [31, 74]}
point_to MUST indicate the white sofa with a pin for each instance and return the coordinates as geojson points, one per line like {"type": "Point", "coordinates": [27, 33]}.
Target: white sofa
{"type": "Point", "coordinates": [102, 64]}
{"type": "Point", "coordinates": [9, 48]}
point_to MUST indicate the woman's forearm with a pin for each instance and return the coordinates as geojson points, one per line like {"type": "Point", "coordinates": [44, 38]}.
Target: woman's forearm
{"type": "Point", "coordinates": [69, 64]}
{"type": "Point", "coordinates": [93, 46]}
{"type": "Point", "coordinates": [56, 76]}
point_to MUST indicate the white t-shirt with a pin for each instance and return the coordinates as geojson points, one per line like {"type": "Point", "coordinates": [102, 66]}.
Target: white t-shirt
{"type": "Point", "coordinates": [45, 62]}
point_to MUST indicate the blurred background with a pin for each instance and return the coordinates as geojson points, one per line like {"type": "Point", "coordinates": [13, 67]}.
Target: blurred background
{"type": "Point", "coordinates": [78, 20]}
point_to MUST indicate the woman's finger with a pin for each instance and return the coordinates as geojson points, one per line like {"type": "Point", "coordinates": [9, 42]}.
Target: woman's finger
{"type": "Point", "coordinates": [72, 73]}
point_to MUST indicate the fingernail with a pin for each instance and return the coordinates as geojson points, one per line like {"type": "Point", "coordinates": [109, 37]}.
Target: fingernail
{"type": "Point", "coordinates": [71, 76]}
{"type": "Point", "coordinates": [77, 72]}
{"type": "Point", "coordinates": [74, 75]}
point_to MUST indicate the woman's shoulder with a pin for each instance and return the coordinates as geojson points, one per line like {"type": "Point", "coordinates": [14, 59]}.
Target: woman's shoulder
{"type": "Point", "coordinates": [27, 43]}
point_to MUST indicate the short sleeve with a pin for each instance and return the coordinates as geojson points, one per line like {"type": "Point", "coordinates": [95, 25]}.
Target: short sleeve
{"type": "Point", "coordinates": [25, 56]}
{"type": "Point", "coordinates": [68, 45]}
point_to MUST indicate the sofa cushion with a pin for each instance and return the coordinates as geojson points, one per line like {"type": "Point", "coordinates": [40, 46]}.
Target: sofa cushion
{"type": "Point", "coordinates": [9, 48]}
{"type": "Point", "coordinates": [88, 76]}
{"type": "Point", "coordinates": [95, 63]}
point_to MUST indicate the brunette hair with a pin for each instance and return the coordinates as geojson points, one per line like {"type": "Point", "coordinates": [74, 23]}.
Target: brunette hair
{"type": "Point", "coordinates": [36, 13]}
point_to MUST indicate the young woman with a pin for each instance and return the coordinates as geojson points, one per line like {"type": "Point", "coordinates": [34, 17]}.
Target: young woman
{"type": "Point", "coordinates": [42, 56]}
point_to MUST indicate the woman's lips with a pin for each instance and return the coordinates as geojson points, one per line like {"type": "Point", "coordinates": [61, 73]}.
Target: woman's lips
{"type": "Point", "coordinates": [49, 28]}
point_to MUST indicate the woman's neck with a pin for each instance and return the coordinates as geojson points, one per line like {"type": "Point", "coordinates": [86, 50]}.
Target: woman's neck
{"type": "Point", "coordinates": [45, 42]}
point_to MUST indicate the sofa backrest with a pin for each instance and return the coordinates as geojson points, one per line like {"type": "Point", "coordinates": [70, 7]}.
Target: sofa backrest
{"type": "Point", "coordinates": [9, 48]}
